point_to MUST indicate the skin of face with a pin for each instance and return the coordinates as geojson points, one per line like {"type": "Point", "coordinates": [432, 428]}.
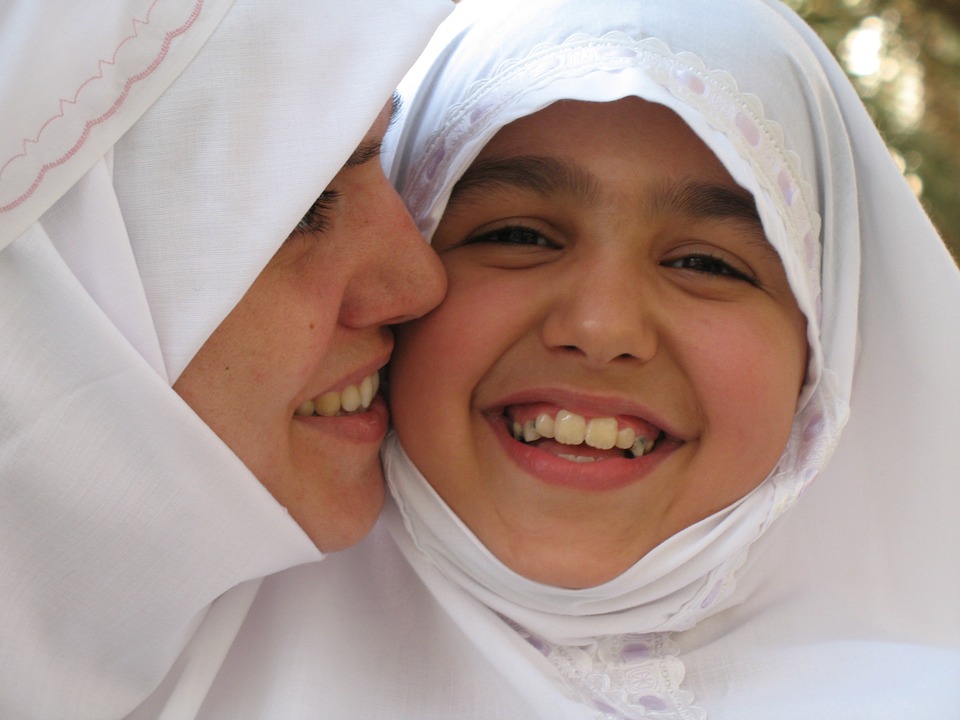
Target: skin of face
{"type": "Point", "coordinates": [314, 322]}
{"type": "Point", "coordinates": [601, 260]}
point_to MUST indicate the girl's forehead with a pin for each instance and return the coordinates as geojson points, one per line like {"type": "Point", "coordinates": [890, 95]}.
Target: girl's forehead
{"type": "Point", "coordinates": [571, 129]}
{"type": "Point", "coordinates": [585, 149]}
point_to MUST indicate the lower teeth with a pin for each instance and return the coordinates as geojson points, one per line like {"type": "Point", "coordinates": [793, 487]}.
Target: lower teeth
{"type": "Point", "coordinates": [576, 458]}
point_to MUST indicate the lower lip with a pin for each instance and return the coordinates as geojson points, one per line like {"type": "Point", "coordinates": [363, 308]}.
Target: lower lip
{"type": "Point", "coordinates": [598, 476]}
{"type": "Point", "coordinates": [369, 426]}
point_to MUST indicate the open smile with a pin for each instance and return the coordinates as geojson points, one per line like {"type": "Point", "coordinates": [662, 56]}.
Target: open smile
{"type": "Point", "coordinates": [355, 414]}
{"type": "Point", "coordinates": [623, 436]}
{"type": "Point", "coordinates": [352, 399]}
{"type": "Point", "coordinates": [591, 452]}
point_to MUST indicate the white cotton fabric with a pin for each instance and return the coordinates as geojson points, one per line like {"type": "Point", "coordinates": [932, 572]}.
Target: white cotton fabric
{"type": "Point", "coordinates": [154, 154]}
{"type": "Point", "coordinates": [831, 591]}
{"type": "Point", "coordinates": [840, 604]}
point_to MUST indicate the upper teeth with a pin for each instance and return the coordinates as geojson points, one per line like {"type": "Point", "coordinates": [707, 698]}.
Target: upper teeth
{"type": "Point", "coordinates": [350, 399]}
{"type": "Point", "coordinates": [569, 428]}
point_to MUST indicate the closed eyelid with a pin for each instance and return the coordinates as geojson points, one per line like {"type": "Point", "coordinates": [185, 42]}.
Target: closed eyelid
{"type": "Point", "coordinates": [371, 149]}
{"type": "Point", "coordinates": [364, 153]}
{"type": "Point", "coordinates": [396, 105]}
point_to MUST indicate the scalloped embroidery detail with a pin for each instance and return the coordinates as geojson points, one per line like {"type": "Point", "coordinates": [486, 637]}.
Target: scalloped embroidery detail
{"type": "Point", "coordinates": [117, 93]}
{"type": "Point", "coordinates": [623, 677]}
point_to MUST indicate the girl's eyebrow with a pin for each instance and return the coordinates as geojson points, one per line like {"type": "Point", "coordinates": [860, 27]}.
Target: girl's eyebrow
{"type": "Point", "coordinates": [547, 176]}
{"type": "Point", "coordinates": [542, 175]}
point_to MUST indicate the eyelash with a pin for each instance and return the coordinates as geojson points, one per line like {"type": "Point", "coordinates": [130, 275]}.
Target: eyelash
{"type": "Point", "coordinates": [519, 235]}
{"type": "Point", "coordinates": [317, 217]}
{"type": "Point", "coordinates": [709, 265]}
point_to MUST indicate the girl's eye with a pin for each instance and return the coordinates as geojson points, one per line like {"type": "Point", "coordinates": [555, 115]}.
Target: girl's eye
{"type": "Point", "coordinates": [317, 217]}
{"type": "Point", "coordinates": [512, 235]}
{"type": "Point", "coordinates": [709, 265]}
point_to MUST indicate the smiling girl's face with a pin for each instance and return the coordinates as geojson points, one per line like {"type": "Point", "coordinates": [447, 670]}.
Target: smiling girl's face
{"type": "Point", "coordinates": [619, 354]}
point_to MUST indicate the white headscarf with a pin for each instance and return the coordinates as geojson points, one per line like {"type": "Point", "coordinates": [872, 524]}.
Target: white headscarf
{"type": "Point", "coordinates": [154, 154]}
{"type": "Point", "coordinates": [764, 611]}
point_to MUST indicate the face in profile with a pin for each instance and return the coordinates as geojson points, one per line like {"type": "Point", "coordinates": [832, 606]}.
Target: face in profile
{"type": "Point", "coordinates": [289, 379]}
{"type": "Point", "coordinates": [619, 354]}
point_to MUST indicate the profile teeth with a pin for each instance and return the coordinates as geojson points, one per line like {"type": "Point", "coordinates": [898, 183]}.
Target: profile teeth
{"type": "Point", "coordinates": [569, 428]}
{"type": "Point", "coordinates": [328, 405]}
{"type": "Point", "coordinates": [351, 399]}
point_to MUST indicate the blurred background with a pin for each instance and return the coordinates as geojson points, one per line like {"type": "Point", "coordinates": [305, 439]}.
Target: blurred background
{"type": "Point", "coordinates": [904, 58]}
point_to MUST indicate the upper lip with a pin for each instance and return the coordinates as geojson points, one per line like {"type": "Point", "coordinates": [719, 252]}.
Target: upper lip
{"type": "Point", "coordinates": [586, 404]}
{"type": "Point", "coordinates": [355, 377]}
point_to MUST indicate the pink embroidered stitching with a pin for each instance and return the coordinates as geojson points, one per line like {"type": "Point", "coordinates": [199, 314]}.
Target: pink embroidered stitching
{"type": "Point", "coordinates": [131, 81]}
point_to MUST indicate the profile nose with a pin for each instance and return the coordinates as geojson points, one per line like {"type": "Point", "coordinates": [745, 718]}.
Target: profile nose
{"type": "Point", "coordinates": [417, 281]}
{"type": "Point", "coordinates": [402, 277]}
{"type": "Point", "coordinates": [602, 316]}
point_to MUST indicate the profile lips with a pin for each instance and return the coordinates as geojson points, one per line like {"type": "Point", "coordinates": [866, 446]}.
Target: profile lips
{"type": "Point", "coordinates": [351, 399]}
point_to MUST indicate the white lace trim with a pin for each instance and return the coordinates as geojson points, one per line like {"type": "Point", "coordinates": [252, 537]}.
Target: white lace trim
{"type": "Point", "coordinates": [623, 677]}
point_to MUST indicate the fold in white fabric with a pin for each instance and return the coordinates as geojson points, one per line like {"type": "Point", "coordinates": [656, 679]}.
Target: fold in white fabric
{"type": "Point", "coordinates": [136, 137]}
{"type": "Point", "coordinates": [838, 603]}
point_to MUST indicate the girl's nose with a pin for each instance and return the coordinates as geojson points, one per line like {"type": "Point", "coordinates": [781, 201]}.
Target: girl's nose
{"type": "Point", "coordinates": [603, 315]}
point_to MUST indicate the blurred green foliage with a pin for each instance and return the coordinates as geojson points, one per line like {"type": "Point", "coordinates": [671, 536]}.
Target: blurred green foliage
{"type": "Point", "coordinates": [904, 58]}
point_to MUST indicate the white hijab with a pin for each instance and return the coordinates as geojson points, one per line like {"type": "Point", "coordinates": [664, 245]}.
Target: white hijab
{"type": "Point", "coordinates": [154, 154]}
{"type": "Point", "coordinates": [846, 606]}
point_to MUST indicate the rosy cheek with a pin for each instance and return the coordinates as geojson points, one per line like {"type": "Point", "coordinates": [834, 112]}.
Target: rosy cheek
{"type": "Point", "coordinates": [423, 347]}
{"type": "Point", "coordinates": [471, 311]}
{"type": "Point", "coordinates": [736, 364]}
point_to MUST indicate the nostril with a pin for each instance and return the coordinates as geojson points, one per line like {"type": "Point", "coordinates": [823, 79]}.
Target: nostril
{"type": "Point", "coordinates": [577, 349]}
